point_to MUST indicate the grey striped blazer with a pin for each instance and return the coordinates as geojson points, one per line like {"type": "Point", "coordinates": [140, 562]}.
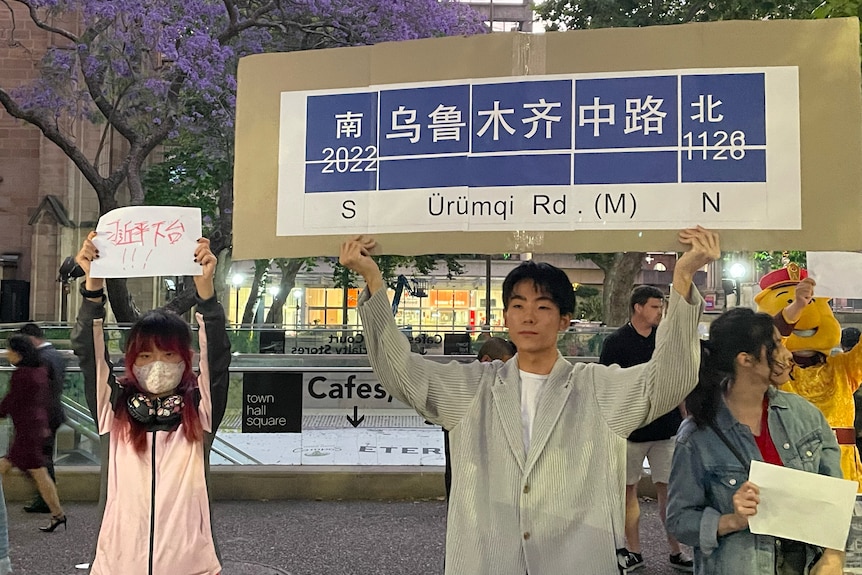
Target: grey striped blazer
{"type": "Point", "coordinates": [557, 510]}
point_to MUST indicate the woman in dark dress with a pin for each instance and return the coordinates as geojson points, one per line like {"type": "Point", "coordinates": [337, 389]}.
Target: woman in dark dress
{"type": "Point", "coordinates": [27, 404]}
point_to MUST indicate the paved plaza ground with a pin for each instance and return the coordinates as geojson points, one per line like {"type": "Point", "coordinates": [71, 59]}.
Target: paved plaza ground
{"type": "Point", "coordinates": [294, 537]}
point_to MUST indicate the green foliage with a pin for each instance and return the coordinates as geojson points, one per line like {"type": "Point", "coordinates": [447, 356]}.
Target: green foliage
{"type": "Point", "coordinates": [244, 341]}
{"type": "Point", "coordinates": [187, 177]}
{"type": "Point", "coordinates": [422, 265]}
{"type": "Point", "coordinates": [768, 261]}
{"type": "Point", "coordinates": [588, 303]}
{"type": "Point", "coordinates": [586, 291]}
{"type": "Point", "coordinates": [840, 9]}
{"type": "Point", "coordinates": [589, 308]}
{"type": "Point", "coordinates": [566, 15]}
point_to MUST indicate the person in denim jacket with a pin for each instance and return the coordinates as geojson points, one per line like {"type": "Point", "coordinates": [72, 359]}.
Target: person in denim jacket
{"type": "Point", "coordinates": [710, 497]}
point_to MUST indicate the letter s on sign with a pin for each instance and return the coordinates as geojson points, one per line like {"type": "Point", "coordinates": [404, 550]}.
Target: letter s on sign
{"type": "Point", "coordinates": [348, 211]}
{"type": "Point", "coordinates": [311, 383]}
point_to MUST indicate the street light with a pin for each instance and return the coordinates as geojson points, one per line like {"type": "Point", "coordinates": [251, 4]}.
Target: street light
{"type": "Point", "coordinates": [738, 270]}
{"type": "Point", "coordinates": [237, 280]}
{"type": "Point", "coordinates": [273, 290]}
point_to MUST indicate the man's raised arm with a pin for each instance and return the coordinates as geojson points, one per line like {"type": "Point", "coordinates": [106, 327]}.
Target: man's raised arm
{"type": "Point", "coordinates": [704, 248]}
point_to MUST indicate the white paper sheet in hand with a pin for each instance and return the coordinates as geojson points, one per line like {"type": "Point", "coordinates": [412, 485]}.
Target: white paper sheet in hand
{"type": "Point", "coordinates": [802, 506]}
{"type": "Point", "coordinates": [838, 274]}
{"type": "Point", "coordinates": [145, 241]}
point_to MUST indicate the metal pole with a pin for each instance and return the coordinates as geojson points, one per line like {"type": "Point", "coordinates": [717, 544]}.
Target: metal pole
{"type": "Point", "coordinates": [345, 276]}
{"type": "Point", "coordinates": [236, 313]}
{"type": "Point", "coordinates": [487, 293]}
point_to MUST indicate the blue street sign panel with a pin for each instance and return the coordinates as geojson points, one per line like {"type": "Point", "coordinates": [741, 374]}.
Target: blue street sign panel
{"type": "Point", "coordinates": [670, 133]}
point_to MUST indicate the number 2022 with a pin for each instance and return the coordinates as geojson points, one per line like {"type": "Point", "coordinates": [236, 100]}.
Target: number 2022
{"type": "Point", "coordinates": [343, 160]}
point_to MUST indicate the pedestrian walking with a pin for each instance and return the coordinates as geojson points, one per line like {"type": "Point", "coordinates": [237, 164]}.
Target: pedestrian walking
{"type": "Point", "coordinates": [27, 404]}
{"type": "Point", "coordinates": [55, 363]}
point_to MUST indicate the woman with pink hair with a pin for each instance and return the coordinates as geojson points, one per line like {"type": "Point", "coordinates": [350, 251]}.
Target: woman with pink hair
{"type": "Point", "coordinates": [156, 425]}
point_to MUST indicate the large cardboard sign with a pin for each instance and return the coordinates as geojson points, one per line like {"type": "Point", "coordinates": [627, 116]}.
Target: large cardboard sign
{"type": "Point", "coordinates": [601, 140]}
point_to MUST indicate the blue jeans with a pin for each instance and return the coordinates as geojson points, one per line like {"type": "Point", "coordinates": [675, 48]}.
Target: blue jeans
{"type": "Point", "coordinates": [4, 529]}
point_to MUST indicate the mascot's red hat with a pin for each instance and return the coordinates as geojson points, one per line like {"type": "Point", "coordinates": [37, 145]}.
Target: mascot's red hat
{"type": "Point", "coordinates": [789, 275]}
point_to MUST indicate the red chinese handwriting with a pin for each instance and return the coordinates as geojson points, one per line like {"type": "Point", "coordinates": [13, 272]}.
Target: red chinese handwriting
{"type": "Point", "coordinates": [124, 233]}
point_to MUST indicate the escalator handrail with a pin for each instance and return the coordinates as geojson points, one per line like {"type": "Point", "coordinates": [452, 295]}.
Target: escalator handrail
{"type": "Point", "coordinates": [80, 418]}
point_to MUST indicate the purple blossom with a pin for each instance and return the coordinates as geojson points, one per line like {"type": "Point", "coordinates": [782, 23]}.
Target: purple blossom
{"type": "Point", "coordinates": [166, 63]}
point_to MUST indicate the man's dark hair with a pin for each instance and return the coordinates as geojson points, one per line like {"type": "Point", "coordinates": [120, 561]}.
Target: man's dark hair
{"type": "Point", "coordinates": [32, 330]}
{"type": "Point", "coordinates": [496, 348]}
{"type": "Point", "coordinates": [642, 294]}
{"type": "Point", "coordinates": [22, 345]}
{"type": "Point", "coordinates": [548, 279]}
{"type": "Point", "coordinates": [849, 338]}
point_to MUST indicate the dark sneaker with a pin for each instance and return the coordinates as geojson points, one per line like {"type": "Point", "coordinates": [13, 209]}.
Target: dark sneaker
{"type": "Point", "coordinates": [634, 561]}
{"type": "Point", "coordinates": [681, 563]}
{"type": "Point", "coordinates": [37, 505]}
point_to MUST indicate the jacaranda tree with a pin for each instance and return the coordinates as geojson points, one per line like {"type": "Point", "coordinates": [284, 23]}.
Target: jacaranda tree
{"type": "Point", "coordinates": [152, 71]}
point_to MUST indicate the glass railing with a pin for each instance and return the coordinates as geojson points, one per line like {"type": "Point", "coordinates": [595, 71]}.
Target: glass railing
{"type": "Point", "coordinates": [582, 340]}
{"type": "Point", "coordinates": [285, 409]}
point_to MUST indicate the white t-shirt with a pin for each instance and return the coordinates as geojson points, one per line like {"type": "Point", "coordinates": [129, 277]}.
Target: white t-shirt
{"type": "Point", "coordinates": [531, 388]}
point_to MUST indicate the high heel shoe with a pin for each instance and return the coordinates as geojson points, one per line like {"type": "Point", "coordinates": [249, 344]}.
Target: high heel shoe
{"type": "Point", "coordinates": [55, 522]}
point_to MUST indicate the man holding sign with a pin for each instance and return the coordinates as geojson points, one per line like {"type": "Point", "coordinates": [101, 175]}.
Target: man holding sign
{"type": "Point", "coordinates": [538, 444]}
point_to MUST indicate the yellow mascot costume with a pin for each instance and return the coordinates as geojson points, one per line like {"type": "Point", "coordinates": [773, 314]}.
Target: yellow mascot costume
{"type": "Point", "coordinates": [811, 332]}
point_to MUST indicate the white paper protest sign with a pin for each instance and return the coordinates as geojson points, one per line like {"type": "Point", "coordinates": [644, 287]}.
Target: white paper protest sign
{"type": "Point", "coordinates": [802, 506]}
{"type": "Point", "coordinates": [146, 241]}
{"type": "Point", "coordinates": [838, 274]}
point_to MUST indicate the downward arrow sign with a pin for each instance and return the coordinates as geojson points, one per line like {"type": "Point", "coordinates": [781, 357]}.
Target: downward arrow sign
{"type": "Point", "coordinates": [355, 420]}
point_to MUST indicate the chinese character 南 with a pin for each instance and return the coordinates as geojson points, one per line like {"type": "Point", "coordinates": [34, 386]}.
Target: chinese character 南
{"type": "Point", "coordinates": [708, 106]}
{"type": "Point", "coordinates": [541, 114]}
{"type": "Point", "coordinates": [597, 118]}
{"type": "Point", "coordinates": [348, 125]}
{"type": "Point", "coordinates": [446, 123]}
{"type": "Point", "coordinates": [497, 118]}
{"type": "Point", "coordinates": [646, 111]}
{"type": "Point", "coordinates": [404, 125]}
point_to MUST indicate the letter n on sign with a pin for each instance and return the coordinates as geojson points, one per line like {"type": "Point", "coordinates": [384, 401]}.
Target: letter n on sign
{"type": "Point", "coordinates": [272, 403]}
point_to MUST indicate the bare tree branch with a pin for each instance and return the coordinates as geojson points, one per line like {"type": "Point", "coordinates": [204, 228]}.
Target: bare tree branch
{"type": "Point", "coordinates": [49, 128]}
{"type": "Point", "coordinates": [34, 16]}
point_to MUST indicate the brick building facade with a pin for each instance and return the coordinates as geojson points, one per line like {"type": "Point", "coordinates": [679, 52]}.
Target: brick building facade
{"type": "Point", "coordinates": [46, 206]}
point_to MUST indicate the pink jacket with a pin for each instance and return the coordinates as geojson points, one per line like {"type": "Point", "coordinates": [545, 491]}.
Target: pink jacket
{"type": "Point", "coordinates": [156, 517]}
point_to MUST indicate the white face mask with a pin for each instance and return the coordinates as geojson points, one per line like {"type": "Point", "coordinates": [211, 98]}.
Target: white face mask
{"type": "Point", "coordinates": [159, 377]}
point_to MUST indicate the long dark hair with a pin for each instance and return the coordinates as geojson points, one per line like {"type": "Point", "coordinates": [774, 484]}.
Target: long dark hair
{"type": "Point", "coordinates": [22, 345]}
{"type": "Point", "coordinates": [739, 330]}
{"type": "Point", "coordinates": [167, 331]}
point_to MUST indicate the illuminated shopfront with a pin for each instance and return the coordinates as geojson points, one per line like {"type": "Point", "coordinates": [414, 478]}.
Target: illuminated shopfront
{"type": "Point", "coordinates": [441, 310]}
